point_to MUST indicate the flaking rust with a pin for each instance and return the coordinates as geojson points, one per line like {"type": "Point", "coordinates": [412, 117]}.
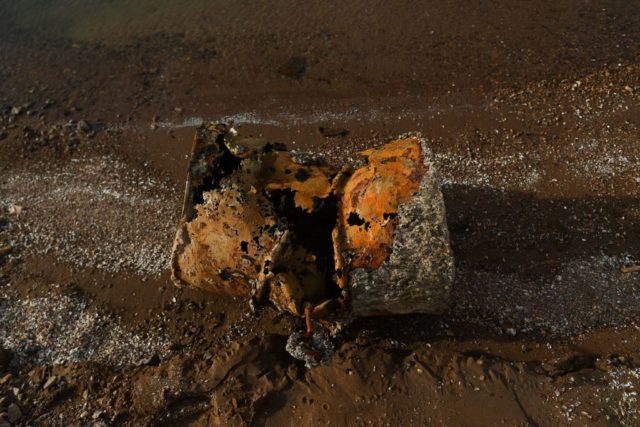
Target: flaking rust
{"type": "Point", "coordinates": [392, 241]}
{"type": "Point", "coordinates": [261, 222]}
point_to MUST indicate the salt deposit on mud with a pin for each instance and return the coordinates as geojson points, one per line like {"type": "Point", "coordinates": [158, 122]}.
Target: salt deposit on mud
{"type": "Point", "coordinates": [583, 295]}
{"type": "Point", "coordinates": [92, 212]}
{"type": "Point", "coordinates": [63, 329]}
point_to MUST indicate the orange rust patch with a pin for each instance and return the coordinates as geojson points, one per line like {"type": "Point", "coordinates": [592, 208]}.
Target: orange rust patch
{"type": "Point", "coordinates": [369, 209]}
{"type": "Point", "coordinates": [310, 182]}
{"type": "Point", "coordinates": [236, 242]}
{"type": "Point", "coordinates": [231, 237]}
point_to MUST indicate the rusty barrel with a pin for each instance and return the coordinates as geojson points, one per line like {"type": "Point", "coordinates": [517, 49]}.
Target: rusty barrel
{"type": "Point", "coordinates": [262, 222]}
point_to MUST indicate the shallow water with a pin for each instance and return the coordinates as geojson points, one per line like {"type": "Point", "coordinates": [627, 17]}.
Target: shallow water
{"type": "Point", "coordinates": [103, 20]}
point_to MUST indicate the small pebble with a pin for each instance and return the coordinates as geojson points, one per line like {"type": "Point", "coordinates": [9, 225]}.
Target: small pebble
{"type": "Point", "coordinates": [50, 381]}
{"type": "Point", "coordinates": [14, 413]}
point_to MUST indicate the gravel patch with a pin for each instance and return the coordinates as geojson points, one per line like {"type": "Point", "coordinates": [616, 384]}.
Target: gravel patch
{"type": "Point", "coordinates": [583, 295]}
{"type": "Point", "coordinates": [93, 213]}
{"type": "Point", "coordinates": [65, 329]}
{"type": "Point", "coordinates": [624, 385]}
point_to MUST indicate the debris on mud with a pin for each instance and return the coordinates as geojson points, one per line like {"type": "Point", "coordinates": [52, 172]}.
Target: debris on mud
{"type": "Point", "coordinates": [15, 210]}
{"type": "Point", "coordinates": [332, 132]}
{"type": "Point", "coordinates": [5, 250]}
{"type": "Point", "coordinates": [261, 222]}
{"type": "Point", "coordinates": [631, 269]}
{"type": "Point", "coordinates": [313, 350]}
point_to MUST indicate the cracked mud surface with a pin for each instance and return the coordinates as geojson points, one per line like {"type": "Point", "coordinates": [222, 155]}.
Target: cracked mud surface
{"type": "Point", "coordinates": [531, 112]}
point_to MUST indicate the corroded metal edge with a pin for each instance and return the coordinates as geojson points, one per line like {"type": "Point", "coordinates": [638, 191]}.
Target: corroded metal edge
{"type": "Point", "coordinates": [197, 169]}
{"type": "Point", "coordinates": [418, 275]}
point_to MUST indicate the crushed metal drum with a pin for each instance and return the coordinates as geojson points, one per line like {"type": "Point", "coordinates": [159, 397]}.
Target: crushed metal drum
{"type": "Point", "coordinates": [265, 223]}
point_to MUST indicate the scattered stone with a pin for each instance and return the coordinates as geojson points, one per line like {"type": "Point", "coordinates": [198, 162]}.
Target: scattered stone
{"type": "Point", "coordinates": [15, 209]}
{"type": "Point", "coordinates": [83, 126]}
{"type": "Point", "coordinates": [14, 413]}
{"type": "Point", "coordinates": [70, 324]}
{"type": "Point", "coordinates": [97, 414]}
{"type": "Point", "coordinates": [308, 159]}
{"type": "Point", "coordinates": [16, 111]}
{"type": "Point", "coordinates": [118, 189]}
{"type": "Point", "coordinates": [511, 331]}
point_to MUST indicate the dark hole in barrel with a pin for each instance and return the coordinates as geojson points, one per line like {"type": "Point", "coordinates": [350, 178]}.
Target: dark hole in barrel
{"type": "Point", "coordinates": [355, 219]}
{"type": "Point", "coordinates": [312, 230]}
{"type": "Point", "coordinates": [224, 164]}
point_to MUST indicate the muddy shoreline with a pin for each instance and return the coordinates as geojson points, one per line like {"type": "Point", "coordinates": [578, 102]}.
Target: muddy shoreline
{"type": "Point", "coordinates": [532, 113]}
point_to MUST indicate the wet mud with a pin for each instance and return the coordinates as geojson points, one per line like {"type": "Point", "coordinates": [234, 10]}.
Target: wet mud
{"type": "Point", "coordinates": [531, 112]}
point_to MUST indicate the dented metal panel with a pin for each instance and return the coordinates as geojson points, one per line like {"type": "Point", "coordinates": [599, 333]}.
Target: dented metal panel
{"type": "Point", "coordinates": [369, 211]}
{"type": "Point", "coordinates": [401, 262]}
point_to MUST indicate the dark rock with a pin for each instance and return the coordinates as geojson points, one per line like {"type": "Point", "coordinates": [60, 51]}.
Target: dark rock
{"type": "Point", "coordinates": [14, 413]}
{"type": "Point", "coordinates": [6, 356]}
{"type": "Point", "coordinates": [332, 133]}
{"type": "Point", "coordinates": [153, 360]}
{"type": "Point", "coordinates": [294, 68]}
{"type": "Point", "coordinates": [83, 126]}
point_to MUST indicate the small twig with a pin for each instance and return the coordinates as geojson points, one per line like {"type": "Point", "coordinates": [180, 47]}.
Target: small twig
{"type": "Point", "coordinates": [307, 315]}
{"type": "Point", "coordinates": [631, 269]}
